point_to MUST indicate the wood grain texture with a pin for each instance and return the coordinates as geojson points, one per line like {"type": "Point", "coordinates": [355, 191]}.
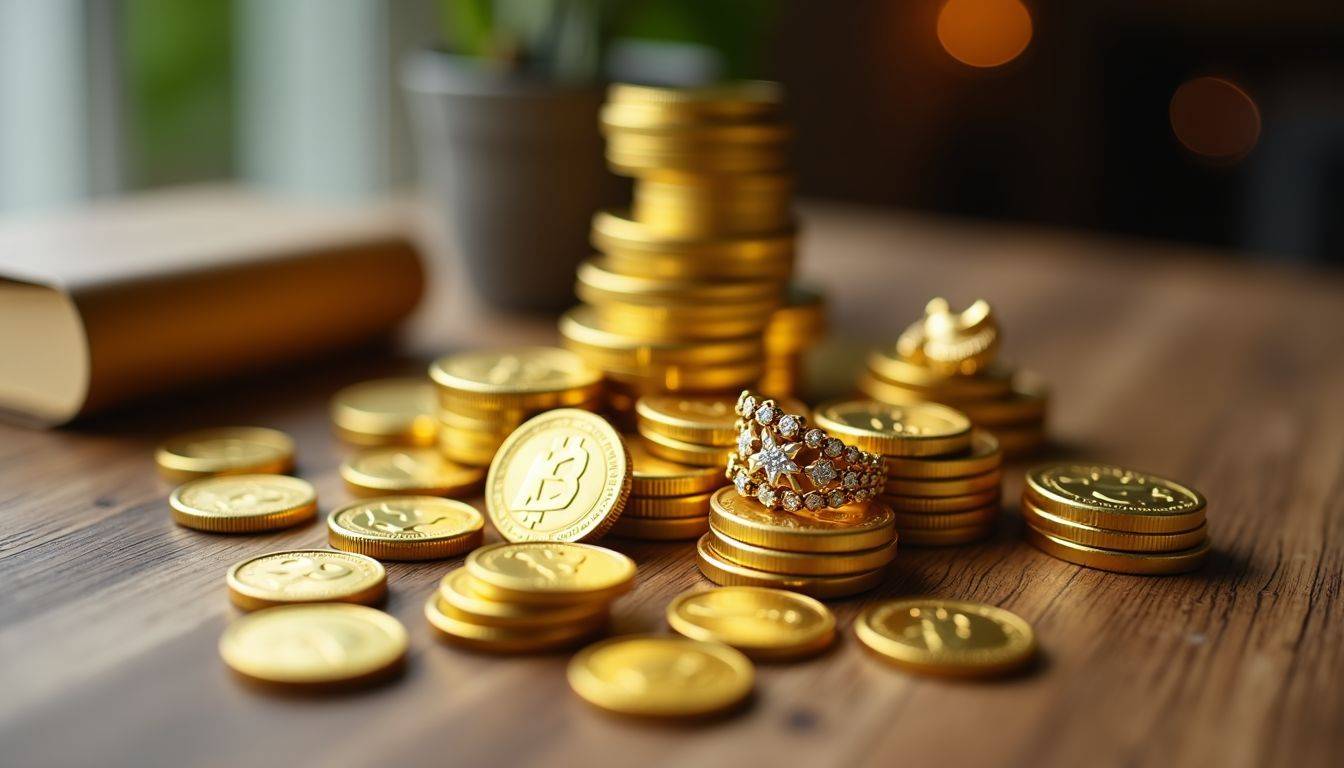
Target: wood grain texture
{"type": "Point", "coordinates": [1223, 375]}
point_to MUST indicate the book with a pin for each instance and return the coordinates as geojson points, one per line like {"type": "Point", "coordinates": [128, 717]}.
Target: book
{"type": "Point", "coordinates": [141, 295]}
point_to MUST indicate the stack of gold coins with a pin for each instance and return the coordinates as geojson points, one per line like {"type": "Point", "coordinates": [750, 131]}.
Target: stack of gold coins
{"type": "Point", "coordinates": [949, 357]}
{"type": "Point", "coordinates": [824, 553]}
{"type": "Point", "coordinates": [669, 501]}
{"type": "Point", "coordinates": [1115, 519]}
{"type": "Point", "coordinates": [943, 478]}
{"type": "Point", "coordinates": [519, 597]}
{"type": "Point", "coordinates": [484, 395]}
{"type": "Point", "coordinates": [386, 412]}
{"type": "Point", "coordinates": [687, 281]}
{"type": "Point", "coordinates": [794, 329]}
{"type": "Point", "coordinates": [700, 431]}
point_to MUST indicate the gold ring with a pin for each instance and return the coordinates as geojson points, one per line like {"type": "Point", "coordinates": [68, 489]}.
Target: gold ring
{"type": "Point", "coordinates": [786, 464]}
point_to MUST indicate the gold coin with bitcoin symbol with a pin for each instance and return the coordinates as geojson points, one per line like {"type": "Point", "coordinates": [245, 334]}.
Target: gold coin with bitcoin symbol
{"type": "Point", "coordinates": [520, 378]}
{"type": "Point", "coordinates": [562, 476]}
{"type": "Point", "coordinates": [243, 503]}
{"type": "Point", "coordinates": [306, 576]}
{"type": "Point", "coordinates": [947, 637]}
{"type": "Point", "coordinates": [542, 572]}
{"type": "Point", "coordinates": [225, 451]}
{"type": "Point", "coordinates": [314, 645]}
{"type": "Point", "coordinates": [406, 528]}
{"type": "Point", "coordinates": [658, 676]}
{"type": "Point", "coordinates": [1116, 498]}
{"type": "Point", "coordinates": [761, 622]}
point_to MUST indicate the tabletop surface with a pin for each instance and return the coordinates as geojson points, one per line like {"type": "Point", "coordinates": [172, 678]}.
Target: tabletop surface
{"type": "Point", "coordinates": [1221, 374]}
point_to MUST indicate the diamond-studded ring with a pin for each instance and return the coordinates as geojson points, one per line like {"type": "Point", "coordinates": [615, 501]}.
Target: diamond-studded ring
{"type": "Point", "coordinates": [785, 463]}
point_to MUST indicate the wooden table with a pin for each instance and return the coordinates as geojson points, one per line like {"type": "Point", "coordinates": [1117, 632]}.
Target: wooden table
{"type": "Point", "coordinates": [1225, 375]}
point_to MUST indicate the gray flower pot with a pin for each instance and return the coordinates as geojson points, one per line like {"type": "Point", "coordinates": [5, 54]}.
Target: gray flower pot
{"type": "Point", "coordinates": [517, 171]}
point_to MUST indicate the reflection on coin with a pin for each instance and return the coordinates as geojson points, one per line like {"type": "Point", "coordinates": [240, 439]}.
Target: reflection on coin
{"type": "Point", "coordinates": [317, 644]}
{"type": "Point", "coordinates": [306, 576]}
{"type": "Point", "coordinates": [925, 429]}
{"type": "Point", "coordinates": [243, 503]}
{"type": "Point", "coordinates": [225, 451]}
{"type": "Point", "coordinates": [386, 412]}
{"type": "Point", "coordinates": [549, 572]}
{"type": "Point", "coordinates": [406, 528]}
{"type": "Point", "coordinates": [762, 623]}
{"type": "Point", "coordinates": [947, 637]}
{"type": "Point", "coordinates": [562, 476]}
{"type": "Point", "coordinates": [657, 676]}
{"type": "Point", "coordinates": [416, 471]}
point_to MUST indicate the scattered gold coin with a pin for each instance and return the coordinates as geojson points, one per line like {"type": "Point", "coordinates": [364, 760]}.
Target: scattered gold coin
{"type": "Point", "coordinates": [925, 429]}
{"type": "Point", "coordinates": [562, 476]}
{"type": "Point", "coordinates": [406, 528]}
{"type": "Point", "coordinates": [656, 676]}
{"type": "Point", "coordinates": [548, 572]}
{"type": "Point", "coordinates": [314, 645]}
{"type": "Point", "coordinates": [306, 576]}
{"type": "Point", "coordinates": [415, 471]}
{"type": "Point", "coordinates": [243, 503]}
{"type": "Point", "coordinates": [225, 451]}
{"type": "Point", "coordinates": [1115, 498]}
{"type": "Point", "coordinates": [386, 412]}
{"type": "Point", "coordinates": [762, 623]}
{"type": "Point", "coordinates": [947, 637]}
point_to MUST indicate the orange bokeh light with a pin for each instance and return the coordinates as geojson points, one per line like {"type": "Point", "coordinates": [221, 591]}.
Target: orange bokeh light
{"type": "Point", "coordinates": [984, 33]}
{"type": "Point", "coordinates": [1215, 118]}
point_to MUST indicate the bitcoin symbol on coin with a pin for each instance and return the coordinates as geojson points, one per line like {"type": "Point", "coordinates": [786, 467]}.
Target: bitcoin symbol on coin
{"type": "Point", "coordinates": [240, 497]}
{"type": "Point", "coordinates": [552, 481]}
{"type": "Point", "coordinates": [286, 573]}
{"type": "Point", "coordinates": [385, 519]}
{"type": "Point", "coordinates": [548, 563]}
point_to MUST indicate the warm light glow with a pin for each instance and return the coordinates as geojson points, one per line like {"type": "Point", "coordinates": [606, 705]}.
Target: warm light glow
{"type": "Point", "coordinates": [1215, 118]}
{"type": "Point", "coordinates": [984, 33]}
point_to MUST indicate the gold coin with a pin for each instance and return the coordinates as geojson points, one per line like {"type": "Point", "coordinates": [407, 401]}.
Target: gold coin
{"type": "Point", "coordinates": [887, 366]}
{"type": "Point", "coordinates": [696, 205]}
{"type": "Point", "coordinates": [763, 623]}
{"type": "Point", "coordinates": [243, 503]}
{"type": "Point", "coordinates": [604, 347]}
{"type": "Point", "coordinates": [597, 275]}
{"type": "Point", "coordinates": [1136, 563]}
{"type": "Point", "coordinates": [801, 563]}
{"type": "Point", "coordinates": [1116, 498]}
{"type": "Point", "coordinates": [851, 528]}
{"type": "Point", "coordinates": [942, 521]}
{"type": "Point", "coordinates": [933, 505]}
{"type": "Point", "coordinates": [549, 572]}
{"type": "Point", "coordinates": [683, 452]}
{"type": "Point", "coordinates": [1103, 539]}
{"type": "Point", "coordinates": [525, 378]}
{"type": "Point", "coordinates": [954, 486]}
{"type": "Point", "coordinates": [666, 322]}
{"type": "Point", "coordinates": [655, 478]}
{"type": "Point", "coordinates": [983, 456]}
{"type": "Point", "coordinates": [661, 529]}
{"type": "Point", "coordinates": [700, 420]}
{"type": "Point", "coordinates": [926, 429]}
{"type": "Point", "coordinates": [667, 507]}
{"type": "Point", "coordinates": [225, 451]}
{"type": "Point", "coordinates": [462, 593]}
{"type": "Point", "coordinates": [725, 572]}
{"type": "Point", "coordinates": [406, 528]}
{"type": "Point", "coordinates": [633, 156]}
{"type": "Point", "coordinates": [763, 265]}
{"type": "Point", "coordinates": [946, 537]}
{"type": "Point", "coordinates": [615, 233]}
{"type": "Point", "coordinates": [750, 100]}
{"type": "Point", "coordinates": [314, 645]}
{"type": "Point", "coordinates": [415, 471]}
{"type": "Point", "coordinates": [658, 676]}
{"type": "Point", "coordinates": [1026, 404]}
{"type": "Point", "coordinates": [306, 576]}
{"type": "Point", "coordinates": [386, 412]}
{"type": "Point", "coordinates": [947, 637]}
{"type": "Point", "coordinates": [499, 639]}
{"type": "Point", "coordinates": [562, 476]}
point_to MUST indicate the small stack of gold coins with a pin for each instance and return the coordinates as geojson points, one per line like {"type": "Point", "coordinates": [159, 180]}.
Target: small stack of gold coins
{"type": "Point", "coordinates": [686, 283]}
{"type": "Point", "coordinates": [1115, 519]}
{"type": "Point", "coordinates": [699, 431]}
{"type": "Point", "coordinates": [518, 597]}
{"type": "Point", "coordinates": [949, 357]}
{"type": "Point", "coordinates": [668, 501]}
{"type": "Point", "coordinates": [484, 395]}
{"type": "Point", "coordinates": [794, 329]}
{"type": "Point", "coordinates": [943, 478]}
{"type": "Point", "coordinates": [825, 553]}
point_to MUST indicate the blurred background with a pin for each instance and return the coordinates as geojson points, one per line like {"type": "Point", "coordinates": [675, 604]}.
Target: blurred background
{"type": "Point", "coordinates": [1213, 123]}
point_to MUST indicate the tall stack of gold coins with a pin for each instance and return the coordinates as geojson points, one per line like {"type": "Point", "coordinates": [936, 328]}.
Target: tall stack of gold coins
{"type": "Point", "coordinates": [483, 396]}
{"type": "Point", "coordinates": [497, 602]}
{"type": "Point", "coordinates": [825, 553]}
{"type": "Point", "coordinates": [669, 501]}
{"type": "Point", "coordinates": [943, 478]}
{"type": "Point", "coordinates": [794, 329]}
{"type": "Point", "coordinates": [1115, 519]}
{"type": "Point", "coordinates": [686, 282]}
{"type": "Point", "coordinates": [950, 358]}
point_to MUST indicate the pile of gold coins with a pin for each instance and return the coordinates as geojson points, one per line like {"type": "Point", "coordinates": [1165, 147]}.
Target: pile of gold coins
{"type": "Point", "coordinates": [949, 357]}
{"type": "Point", "coordinates": [794, 329]}
{"type": "Point", "coordinates": [686, 283]}
{"type": "Point", "coordinates": [943, 478]}
{"type": "Point", "coordinates": [1115, 519]}
{"type": "Point", "coordinates": [483, 396]}
{"type": "Point", "coordinates": [518, 597]}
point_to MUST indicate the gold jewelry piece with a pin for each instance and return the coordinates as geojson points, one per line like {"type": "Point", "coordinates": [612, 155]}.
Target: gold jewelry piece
{"type": "Point", "coordinates": [785, 464]}
{"type": "Point", "coordinates": [952, 342]}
